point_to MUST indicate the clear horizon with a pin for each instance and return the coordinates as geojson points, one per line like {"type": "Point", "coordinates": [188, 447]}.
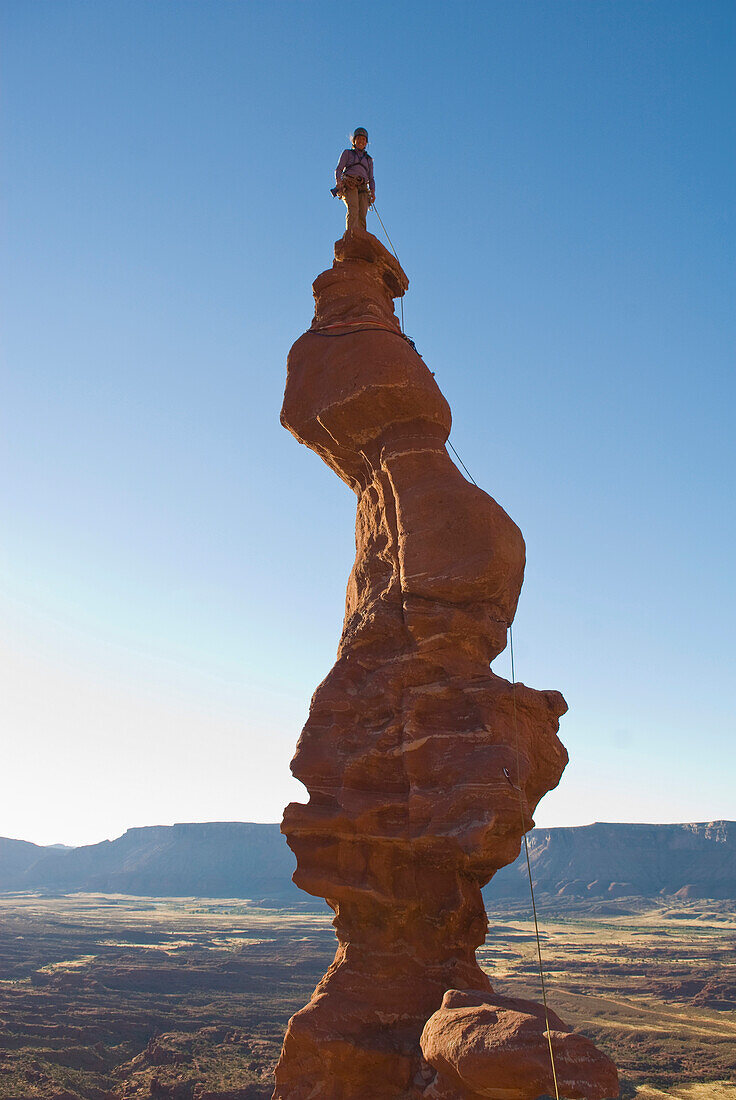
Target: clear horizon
{"type": "Point", "coordinates": [558, 180]}
{"type": "Point", "coordinates": [276, 824]}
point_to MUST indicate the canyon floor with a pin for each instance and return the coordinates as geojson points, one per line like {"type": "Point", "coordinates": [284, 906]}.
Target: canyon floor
{"type": "Point", "coordinates": [108, 996]}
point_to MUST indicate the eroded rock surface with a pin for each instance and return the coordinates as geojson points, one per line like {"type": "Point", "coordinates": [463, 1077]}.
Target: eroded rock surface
{"type": "Point", "coordinates": [423, 767]}
{"type": "Point", "coordinates": [497, 1047]}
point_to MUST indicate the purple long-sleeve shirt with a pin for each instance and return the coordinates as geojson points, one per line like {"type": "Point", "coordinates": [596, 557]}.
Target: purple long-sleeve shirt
{"type": "Point", "coordinates": [354, 163]}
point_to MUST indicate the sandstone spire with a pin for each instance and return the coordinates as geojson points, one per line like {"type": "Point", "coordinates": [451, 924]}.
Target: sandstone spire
{"type": "Point", "coordinates": [418, 774]}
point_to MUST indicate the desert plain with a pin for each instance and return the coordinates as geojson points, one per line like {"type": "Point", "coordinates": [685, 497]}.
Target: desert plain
{"type": "Point", "coordinates": [112, 996]}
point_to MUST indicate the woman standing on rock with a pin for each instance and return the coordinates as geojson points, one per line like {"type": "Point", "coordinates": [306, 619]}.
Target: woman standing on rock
{"type": "Point", "coordinates": [354, 181]}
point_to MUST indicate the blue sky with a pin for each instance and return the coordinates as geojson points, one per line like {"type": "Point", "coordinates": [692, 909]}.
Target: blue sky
{"type": "Point", "coordinates": [558, 180]}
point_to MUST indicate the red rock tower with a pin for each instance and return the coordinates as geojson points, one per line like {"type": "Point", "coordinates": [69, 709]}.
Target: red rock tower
{"type": "Point", "coordinates": [411, 738]}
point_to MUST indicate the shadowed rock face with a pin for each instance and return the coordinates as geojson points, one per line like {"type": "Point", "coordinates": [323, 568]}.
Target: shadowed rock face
{"type": "Point", "coordinates": [409, 736]}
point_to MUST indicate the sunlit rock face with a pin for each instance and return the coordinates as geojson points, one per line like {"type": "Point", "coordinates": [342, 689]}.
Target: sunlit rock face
{"type": "Point", "coordinates": [423, 769]}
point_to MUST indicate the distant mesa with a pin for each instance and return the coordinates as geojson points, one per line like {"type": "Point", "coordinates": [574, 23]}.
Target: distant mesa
{"type": "Point", "coordinates": [607, 860]}
{"type": "Point", "coordinates": [215, 859]}
{"type": "Point", "coordinates": [234, 859]}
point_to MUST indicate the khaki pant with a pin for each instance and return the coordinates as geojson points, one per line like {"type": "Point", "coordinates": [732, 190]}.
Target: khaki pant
{"type": "Point", "coordinates": [356, 200]}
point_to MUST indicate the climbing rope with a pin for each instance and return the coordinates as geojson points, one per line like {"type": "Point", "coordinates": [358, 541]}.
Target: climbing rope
{"type": "Point", "coordinates": [367, 323]}
{"type": "Point", "coordinates": [457, 456]}
{"type": "Point", "coordinates": [517, 788]}
{"type": "Point", "coordinates": [391, 246]}
{"type": "Point", "coordinates": [529, 866]}
{"type": "Point", "coordinates": [370, 326]}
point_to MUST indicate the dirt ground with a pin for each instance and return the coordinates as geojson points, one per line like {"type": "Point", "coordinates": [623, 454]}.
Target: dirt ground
{"type": "Point", "coordinates": [105, 997]}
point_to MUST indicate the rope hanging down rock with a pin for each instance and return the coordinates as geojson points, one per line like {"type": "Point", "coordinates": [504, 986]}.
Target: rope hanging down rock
{"type": "Point", "coordinates": [391, 246]}
{"type": "Point", "coordinates": [517, 787]}
{"type": "Point", "coordinates": [371, 326]}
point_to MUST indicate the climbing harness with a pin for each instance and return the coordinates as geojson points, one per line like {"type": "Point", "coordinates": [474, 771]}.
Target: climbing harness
{"type": "Point", "coordinates": [361, 157]}
{"type": "Point", "coordinates": [517, 787]}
